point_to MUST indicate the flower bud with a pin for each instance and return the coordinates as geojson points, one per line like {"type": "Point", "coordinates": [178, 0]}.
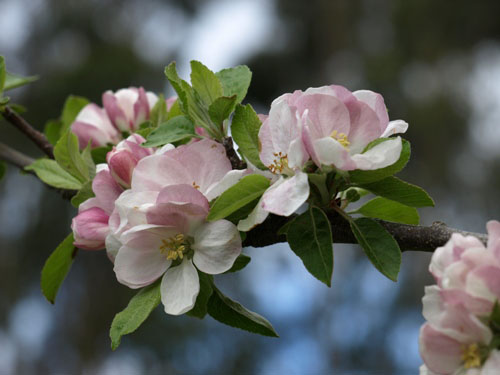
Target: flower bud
{"type": "Point", "coordinates": [90, 228]}
{"type": "Point", "coordinates": [128, 108]}
{"type": "Point", "coordinates": [93, 125]}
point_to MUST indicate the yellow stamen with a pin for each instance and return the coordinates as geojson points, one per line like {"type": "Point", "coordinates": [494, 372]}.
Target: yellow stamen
{"type": "Point", "coordinates": [341, 138]}
{"type": "Point", "coordinates": [197, 187]}
{"type": "Point", "coordinates": [471, 356]}
{"type": "Point", "coordinates": [279, 164]}
{"type": "Point", "coordinates": [173, 247]}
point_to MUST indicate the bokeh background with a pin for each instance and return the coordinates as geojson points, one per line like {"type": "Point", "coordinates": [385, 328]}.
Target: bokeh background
{"type": "Point", "coordinates": [437, 63]}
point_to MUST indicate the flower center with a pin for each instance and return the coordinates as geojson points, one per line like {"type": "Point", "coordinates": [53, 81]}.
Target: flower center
{"type": "Point", "coordinates": [341, 138]}
{"type": "Point", "coordinates": [471, 356]}
{"type": "Point", "coordinates": [174, 247]}
{"type": "Point", "coordinates": [279, 164]}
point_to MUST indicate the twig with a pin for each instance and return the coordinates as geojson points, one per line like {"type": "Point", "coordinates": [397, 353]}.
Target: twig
{"type": "Point", "coordinates": [409, 237]}
{"type": "Point", "coordinates": [38, 138]}
{"type": "Point", "coordinates": [14, 157]}
{"type": "Point", "coordinates": [236, 162]}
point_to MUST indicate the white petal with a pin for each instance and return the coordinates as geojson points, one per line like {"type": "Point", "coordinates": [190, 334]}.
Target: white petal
{"type": "Point", "coordinates": [380, 156]}
{"type": "Point", "coordinates": [492, 364]}
{"type": "Point", "coordinates": [257, 216]}
{"type": "Point", "coordinates": [216, 246]}
{"type": "Point", "coordinates": [113, 244]}
{"type": "Point", "coordinates": [231, 178]}
{"type": "Point", "coordinates": [432, 304]}
{"type": "Point", "coordinates": [394, 127]}
{"type": "Point", "coordinates": [297, 154]}
{"type": "Point", "coordinates": [179, 288]}
{"type": "Point", "coordinates": [288, 196]}
{"type": "Point", "coordinates": [330, 152]}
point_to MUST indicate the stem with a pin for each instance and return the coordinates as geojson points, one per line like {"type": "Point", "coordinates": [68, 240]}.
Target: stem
{"type": "Point", "coordinates": [14, 157]}
{"type": "Point", "coordinates": [38, 138]}
{"type": "Point", "coordinates": [236, 162]}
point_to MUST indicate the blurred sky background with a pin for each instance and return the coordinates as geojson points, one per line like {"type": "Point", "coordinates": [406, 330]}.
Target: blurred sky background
{"type": "Point", "coordinates": [437, 63]}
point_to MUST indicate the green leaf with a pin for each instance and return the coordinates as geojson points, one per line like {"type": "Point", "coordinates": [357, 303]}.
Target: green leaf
{"type": "Point", "coordinates": [3, 74]}
{"type": "Point", "coordinates": [221, 109]}
{"type": "Point", "coordinates": [173, 130]}
{"type": "Point", "coordinates": [53, 130]}
{"type": "Point", "coordinates": [200, 308]}
{"type": "Point", "coordinates": [364, 177]}
{"type": "Point", "coordinates": [205, 83]}
{"type": "Point", "coordinates": [227, 311]}
{"type": "Point", "coordinates": [310, 238]}
{"type": "Point", "coordinates": [245, 191]}
{"type": "Point", "coordinates": [177, 84]}
{"type": "Point", "coordinates": [235, 81]}
{"type": "Point", "coordinates": [385, 209]}
{"type": "Point", "coordinates": [83, 194]}
{"type": "Point", "coordinates": [67, 154]}
{"type": "Point", "coordinates": [13, 81]}
{"type": "Point", "coordinates": [159, 112]}
{"type": "Point", "coordinates": [72, 107]}
{"type": "Point", "coordinates": [240, 263]}
{"type": "Point", "coordinates": [52, 174]}
{"type": "Point", "coordinates": [245, 132]}
{"type": "Point", "coordinates": [400, 191]}
{"type": "Point", "coordinates": [174, 111]}
{"type": "Point", "coordinates": [379, 246]}
{"type": "Point", "coordinates": [136, 312]}
{"type": "Point", "coordinates": [99, 154]}
{"type": "Point", "coordinates": [89, 161]}
{"type": "Point", "coordinates": [242, 212]}
{"type": "Point", "coordinates": [57, 267]}
{"type": "Point", "coordinates": [3, 169]}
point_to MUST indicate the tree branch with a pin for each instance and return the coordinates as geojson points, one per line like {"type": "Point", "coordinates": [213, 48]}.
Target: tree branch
{"type": "Point", "coordinates": [14, 157]}
{"type": "Point", "coordinates": [38, 138]}
{"type": "Point", "coordinates": [409, 237]}
{"type": "Point", "coordinates": [236, 162]}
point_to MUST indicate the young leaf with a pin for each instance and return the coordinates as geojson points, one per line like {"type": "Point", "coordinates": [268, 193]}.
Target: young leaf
{"type": "Point", "coordinates": [57, 267]}
{"type": "Point", "coordinates": [83, 194]}
{"type": "Point", "coordinates": [240, 263]}
{"type": "Point", "coordinates": [227, 311]}
{"type": "Point", "coordinates": [68, 156]}
{"type": "Point", "coordinates": [72, 107]}
{"type": "Point", "coordinates": [365, 177]}
{"type": "Point", "coordinates": [200, 308]}
{"type": "Point", "coordinates": [13, 81]}
{"type": "Point", "coordinates": [221, 109]}
{"type": "Point", "coordinates": [159, 112]}
{"type": "Point", "coordinates": [52, 130]}
{"type": "Point", "coordinates": [379, 246]}
{"type": "Point", "coordinates": [235, 81]}
{"type": "Point", "coordinates": [89, 161]}
{"type": "Point", "coordinates": [310, 238]}
{"type": "Point", "coordinates": [397, 190]}
{"type": "Point", "coordinates": [385, 209]}
{"type": "Point", "coordinates": [173, 130]}
{"type": "Point", "coordinates": [136, 312]}
{"type": "Point", "coordinates": [177, 84]}
{"type": "Point", "coordinates": [52, 174]}
{"type": "Point", "coordinates": [174, 111]}
{"type": "Point", "coordinates": [245, 132]}
{"type": "Point", "coordinates": [205, 82]}
{"type": "Point", "coordinates": [245, 191]}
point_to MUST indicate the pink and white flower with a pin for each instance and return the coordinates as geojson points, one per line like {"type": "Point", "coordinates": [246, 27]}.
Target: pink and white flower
{"type": "Point", "coordinates": [128, 108]}
{"type": "Point", "coordinates": [123, 158]}
{"type": "Point", "coordinates": [456, 338]}
{"type": "Point", "coordinates": [93, 125]}
{"type": "Point", "coordinates": [90, 226]}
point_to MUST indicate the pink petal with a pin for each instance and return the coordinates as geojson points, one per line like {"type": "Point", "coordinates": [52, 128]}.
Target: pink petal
{"type": "Point", "coordinates": [90, 228]}
{"type": "Point", "coordinates": [141, 109]}
{"type": "Point", "coordinates": [440, 353]}
{"type": "Point", "coordinates": [106, 190]}
{"type": "Point", "coordinates": [157, 171]}
{"type": "Point", "coordinates": [376, 102]}
{"type": "Point", "coordinates": [115, 113]}
{"type": "Point", "coordinates": [493, 228]}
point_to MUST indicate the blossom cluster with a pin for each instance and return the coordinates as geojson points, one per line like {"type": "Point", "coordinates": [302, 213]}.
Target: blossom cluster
{"type": "Point", "coordinates": [462, 332]}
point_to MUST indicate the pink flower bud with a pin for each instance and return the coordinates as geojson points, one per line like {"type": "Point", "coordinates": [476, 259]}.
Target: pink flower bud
{"type": "Point", "coordinates": [90, 228]}
{"type": "Point", "coordinates": [128, 108]}
{"type": "Point", "coordinates": [93, 125]}
{"type": "Point", "coordinates": [123, 158]}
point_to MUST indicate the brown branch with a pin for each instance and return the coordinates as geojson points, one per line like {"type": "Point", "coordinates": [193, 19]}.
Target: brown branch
{"type": "Point", "coordinates": [236, 162]}
{"type": "Point", "coordinates": [38, 138]}
{"type": "Point", "coordinates": [409, 237]}
{"type": "Point", "coordinates": [14, 157]}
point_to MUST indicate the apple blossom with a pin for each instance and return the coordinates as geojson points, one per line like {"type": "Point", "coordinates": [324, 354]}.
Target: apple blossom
{"type": "Point", "coordinates": [128, 108]}
{"type": "Point", "coordinates": [93, 125]}
{"type": "Point", "coordinates": [123, 158]}
{"type": "Point", "coordinates": [90, 226]}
